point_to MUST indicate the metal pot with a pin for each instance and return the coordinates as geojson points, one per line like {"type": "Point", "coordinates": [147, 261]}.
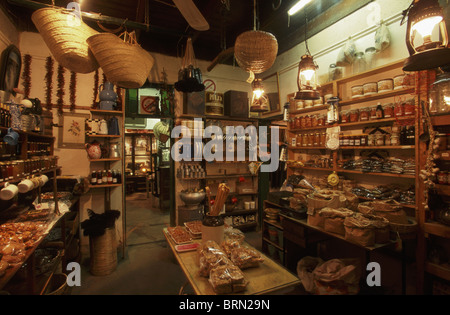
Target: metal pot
{"type": "Point", "coordinates": [193, 198]}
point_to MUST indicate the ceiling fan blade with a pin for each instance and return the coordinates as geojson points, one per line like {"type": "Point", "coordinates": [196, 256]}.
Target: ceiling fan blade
{"type": "Point", "coordinates": [192, 14]}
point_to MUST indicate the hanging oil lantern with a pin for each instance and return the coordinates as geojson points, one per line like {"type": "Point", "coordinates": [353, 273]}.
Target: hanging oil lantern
{"type": "Point", "coordinates": [260, 101]}
{"type": "Point", "coordinates": [307, 79]}
{"type": "Point", "coordinates": [426, 36]}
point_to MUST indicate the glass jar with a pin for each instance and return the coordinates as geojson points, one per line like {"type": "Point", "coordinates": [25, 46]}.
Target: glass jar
{"type": "Point", "coordinates": [373, 112]}
{"type": "Point", "coordinates": [371, 141]}
{"type": "Point", "coordinates": [311, 140]}
{"type": "Point", "coordinates": [321, 120]}
{"type": "Point", "coordinates": [308, 121]}
{"type": "Point", "coordinates": [323, 138]}
{"type": "Point", "coordinates": [388, 110]}
{"type": "Point", "coordinates": [316, 139]}
{"type": "Point", "coordinates": [399, 110]}
{"type": "Point", "coordinates": [395, 139]}
{"type": "Point", "coordinates": [297, 122]}
{"type": "Point", "coordinates": [346, 141]}
{"type": "Point", "coordinates": [334, 72]}
{"type": "Point", "coordinates": [387, 139]}
{"type": "Point", "coordinates": [354, 115]}
{"type": "Point", "coordinates": [314, 121]}
{"type": "Point", "coordinates": [442, 85]}
{"type": "Point", "coordinates": [302, 122]}
{"type": "Point", "coordinates": [357, 140]}
{"type": "Point", "coordinates": [379, 139]}
{"type": "Point", "coordinates": [351, 141]}
{"type": "Point", "coordinates": [363, 140]}
{"type": "Point", "coordinates": [299, 104]}
{"type": "Point", "coordinates": [410, 108]}
{"type": "Point", "coordinates": [359, 64]}
{"type": "Point", "coordinates": [345, 116]}
{"type": "Point", "coordinates": [304, 140]}
{"type": "Point", "coordinates": [364, 114]}
{"type": "Point", "coordinates": [299, 141]}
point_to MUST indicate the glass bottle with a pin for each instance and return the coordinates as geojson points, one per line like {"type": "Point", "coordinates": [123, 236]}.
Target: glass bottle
{"type": "Point", "coordinates": [93, 178]}
{"type": "Point", "coordinates": [109, 177]}
{"type": "Point", "coordinates": [99, 178]}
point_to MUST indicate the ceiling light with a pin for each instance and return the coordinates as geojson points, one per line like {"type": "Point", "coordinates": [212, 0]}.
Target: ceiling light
{"type": "Point", "coordinates": [260, 101]}
{"type": "Point", "coordinates": [307, 79]}
{"type": "Point", "coordinates": [298, 6]}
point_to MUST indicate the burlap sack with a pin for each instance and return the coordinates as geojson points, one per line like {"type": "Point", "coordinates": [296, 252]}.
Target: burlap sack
{"type": "Point", "coordinates": [359, 230]}
{"type": "Point", "coordinates": [334, 219]}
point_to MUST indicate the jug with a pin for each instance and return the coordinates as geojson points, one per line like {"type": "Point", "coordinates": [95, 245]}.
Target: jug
{"type": "Point", "coordinates": [108, 93]}
{"type": "Point", "coordinates": [94, 150]}
{"type": "Point", "coordinates": [103, 127]}
{"type": "Point", "coordinates": [114, 150]}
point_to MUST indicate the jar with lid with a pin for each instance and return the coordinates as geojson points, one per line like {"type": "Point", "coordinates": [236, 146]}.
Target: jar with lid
{"type": "Point", "coordinates": [363, 140]}
{"type": "Point", "coordinates": [323, 138]}
{"type": "Point", "coordinates": [316, 139]}
{"type": "Point", "coordinates": [345, 116]}
{"type": "Point", "coordinates": [314, 121]}
{"type": "Point", "coordinates": [388, 110]}
{"type": "Point", "coordinates": [351, 141]}
{"type": "Point", "coordinates": [299, 142]}
{"type": "Point", "coordinates": [305, 140]}
{"type": "Point", "coordinates": [399, 109]}
{"type": "Point", "coordinates": [311, 140]}
{"type": "Point", "coordinates": [346, 141]}
{"type": "Point", "coordinates": [379, 139]}
{"type": "Point", "coordinates": [308, 121]}
{"type": "Point", "coordinates": [297, 122]}
{"type": "Point", "coordinates": [300, 104]}
{"type": "Point", "coordinates": [359, 64]}
{"type": "Point", "coordinates": [364, 114]}
{"type": "Point", "coordinates": [302, 122]}
{"type": "Point", "coordinates": [321, 120]}
{"type": "Point", "coordinates": [357, 140]}
{"type": "Point", "coordinates": [409, 107]}
{"type": "Point", "coordinates": [334, 72]}
{"type": "Point", "coordinates": [395, 139]}
{"type": "Point", "coordinates": [354, 115]}
{"type": "Point", "coordinates": [373, 112]}
{"type": "Point", "coordinates": [371, 140]}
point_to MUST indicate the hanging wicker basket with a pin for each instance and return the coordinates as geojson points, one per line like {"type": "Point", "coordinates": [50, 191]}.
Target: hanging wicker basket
{"type": "Point", "coordinates": [66, 38]}
{"type": "Point", "coordinates": [123, 61]}
{"type": "Point", "coordinates": [255, 51]}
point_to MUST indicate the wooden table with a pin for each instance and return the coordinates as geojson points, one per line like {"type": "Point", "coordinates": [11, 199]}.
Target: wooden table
{"type": "Point", "coordinates": [269, 277]}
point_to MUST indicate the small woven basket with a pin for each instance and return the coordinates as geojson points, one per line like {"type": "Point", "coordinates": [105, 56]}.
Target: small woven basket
{"type": "Point", "coordinates": [103, 253]}
{"type": "Point", "coordinates": [255, 51]}
{"type": "Point", "coordinates": [123, 61]}
{"type": "Point", "coordinates": [66, 38]}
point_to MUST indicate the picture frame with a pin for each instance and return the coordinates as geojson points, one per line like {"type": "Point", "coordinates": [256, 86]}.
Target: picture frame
{"type": "Point", "coordinates": [72, 131]}
{"type": "Point", "coordinates": [11, 65]}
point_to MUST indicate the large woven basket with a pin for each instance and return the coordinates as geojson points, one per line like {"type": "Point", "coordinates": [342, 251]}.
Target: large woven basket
{"type": "Point", "coordinates": [103, 253]}
{"type": "Point", "coordinates": [66, 39]}
{"type": "Point", "coordinates": [255, 51]}
{"type": "Point", "coordinates": [123, 61]}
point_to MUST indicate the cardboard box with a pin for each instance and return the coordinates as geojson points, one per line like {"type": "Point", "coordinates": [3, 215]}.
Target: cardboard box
{"type": "Point", "coordinates": [236, 104]}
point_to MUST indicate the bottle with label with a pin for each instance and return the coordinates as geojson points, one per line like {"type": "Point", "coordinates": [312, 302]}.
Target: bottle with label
{"type": "Point", "coordinates": [99, 178]}
{"type": "Point", "coordinates": [411, 135]}
{"type": "Point", "coordinates": [119, 177]}
{"type": "Point", "coordinates": [109, 177]}
{"type": "Point", "coordinates": [104, 177]}
{"type": "Point", "coordinates": [114, 176]}
{"type": "Point", "coordinates": [94, 178]}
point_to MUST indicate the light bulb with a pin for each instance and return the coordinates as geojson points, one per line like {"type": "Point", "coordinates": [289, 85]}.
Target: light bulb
{"type": "Point", "coordinates": [258, 93]}
{"type": "Point", "coordinates": [425, 27]}
{"type": "Point", "coordinates": [308, 74]}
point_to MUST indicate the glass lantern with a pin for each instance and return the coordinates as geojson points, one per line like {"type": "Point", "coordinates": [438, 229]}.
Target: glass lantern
{"type": "Point", "coordinates": [260, 101]}
{"type": "Point", "coordinates": [426, 37]}
{"type": "Point", "coordinates": [307, 79]}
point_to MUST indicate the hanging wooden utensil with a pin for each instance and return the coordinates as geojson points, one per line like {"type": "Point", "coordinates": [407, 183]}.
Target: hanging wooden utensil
{"type": "Point", "coordinates": [192, 14]}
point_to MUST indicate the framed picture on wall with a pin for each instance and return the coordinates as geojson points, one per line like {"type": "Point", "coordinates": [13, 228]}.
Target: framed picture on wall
{"type": "Point", "coordinates": [72, 131]}
{"type": "Point", "coordinates": [11, 64]}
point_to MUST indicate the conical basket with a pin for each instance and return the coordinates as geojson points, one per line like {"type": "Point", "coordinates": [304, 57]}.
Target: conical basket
{"type": "Point", "coordinates": [123, 61]}
{"type": "Point", "coordinates": [65, 37]}
{"type": "Point", "coordinates": [255, 51]}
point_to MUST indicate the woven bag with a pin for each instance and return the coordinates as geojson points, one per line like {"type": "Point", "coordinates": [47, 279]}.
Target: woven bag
{"type": "Point", "coordinates": [66, 40]}
{"type": "Point", "coordinates": [255, 51]}
{"type": "Point", "coordinates": [123, 61]}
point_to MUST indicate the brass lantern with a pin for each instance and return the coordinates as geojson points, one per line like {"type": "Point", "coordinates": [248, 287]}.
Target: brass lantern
{"type": "Point", "coordinates": [260, 101]}
{"type": "Point", "coordinates": [307, 79]}
{"type": "Point", "coordinates": [426, 36]}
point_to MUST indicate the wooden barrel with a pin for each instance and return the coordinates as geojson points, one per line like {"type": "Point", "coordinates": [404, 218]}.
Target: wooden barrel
{"type": "Point", "coordinates": [103, 250]}
{"type": "Point", "coordinates": [214, 104]}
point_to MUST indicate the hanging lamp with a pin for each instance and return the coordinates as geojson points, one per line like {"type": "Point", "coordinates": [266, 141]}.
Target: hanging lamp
{"type": "Point", "coordinates": [307, 78]}
{"type": "Point", "coordinates": [426, 36]}
{"type": "Point", "coordinates": [260, 101]}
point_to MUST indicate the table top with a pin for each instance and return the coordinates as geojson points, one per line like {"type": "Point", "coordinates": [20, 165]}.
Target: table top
{"type": "Point", "coordinates": [269, 277]}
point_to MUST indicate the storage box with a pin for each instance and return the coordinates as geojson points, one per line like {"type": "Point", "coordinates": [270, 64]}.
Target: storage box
{"type": "Point", "coordinates": [194, 103]}
{"type": "Point", "coordinates": [236, 104]}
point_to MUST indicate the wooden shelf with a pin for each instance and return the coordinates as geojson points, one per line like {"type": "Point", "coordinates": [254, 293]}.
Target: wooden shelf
{"type": "Point", "coordinates": [441, 120]}
{"type": "Point", "coordinates": [440, 271]}
{"type": "Point", "coordinates": [307, 148]}
{"type": "Point", "coordinates": [310, 128]}
{"type": "Point", "coordinates": [376, 174]}
{"type": "Point", "coordinates": [106, 112]}
{"type": "Point", "coordinates": [103, 136]}
{"type": "Point", "coordinates": [105, 186]}
{"type": "Point", "coordinates": [106, 160]}
{"type": "Point", "coordinates": [213, 117]}
{"type": "Point", "coordinates": [376, 96]}
{"type": "Point", "coordinates": [379, 147]}
{"type": "Point", "coordinates": [309, 109]}
{"type": "Point", "coordinates": [312, 168]}
{"type": "Point", "coordinates": [437, 229]}
{"type": "Point", "coordinates": [443, 189]}
{"type": "Point", "coordinates": [412, 206]}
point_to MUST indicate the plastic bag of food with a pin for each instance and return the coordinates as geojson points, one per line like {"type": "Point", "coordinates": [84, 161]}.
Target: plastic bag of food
{"type": "Point", "coordinates": [229, 245]}
{"type": "Point", "coordinates": [227, 279]}
{"type": "Point", "coordinates": [245, 257]}
{"type": "Point", "coordinates": [346, 54]}
{"type": "Point", "coordinates": [305, 268]}
{"type": "Point", "coordinates": [382, 37]}
{"type": "Point", "coordinates": [210, 256]}
{"type": "Point", "coordinates": [234, 234]}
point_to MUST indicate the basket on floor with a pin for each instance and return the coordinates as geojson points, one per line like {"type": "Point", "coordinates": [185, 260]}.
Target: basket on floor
{"type": "Point", "coordinates": [123, 61]}
{"type": "Point", "coordinates": [103, 253]}
{"type": "Point", "coordinates": [66, 38]}
{"type": "Point", "coordinates": [57, 284]}
{"type": "Point", "coordinates": [255, 51]}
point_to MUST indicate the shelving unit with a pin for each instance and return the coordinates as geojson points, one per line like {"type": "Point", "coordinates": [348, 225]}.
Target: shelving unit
{"type": "Point", "coordinates": [114, 196]}
{"type": "Point", "coordinates": [239, 217]}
